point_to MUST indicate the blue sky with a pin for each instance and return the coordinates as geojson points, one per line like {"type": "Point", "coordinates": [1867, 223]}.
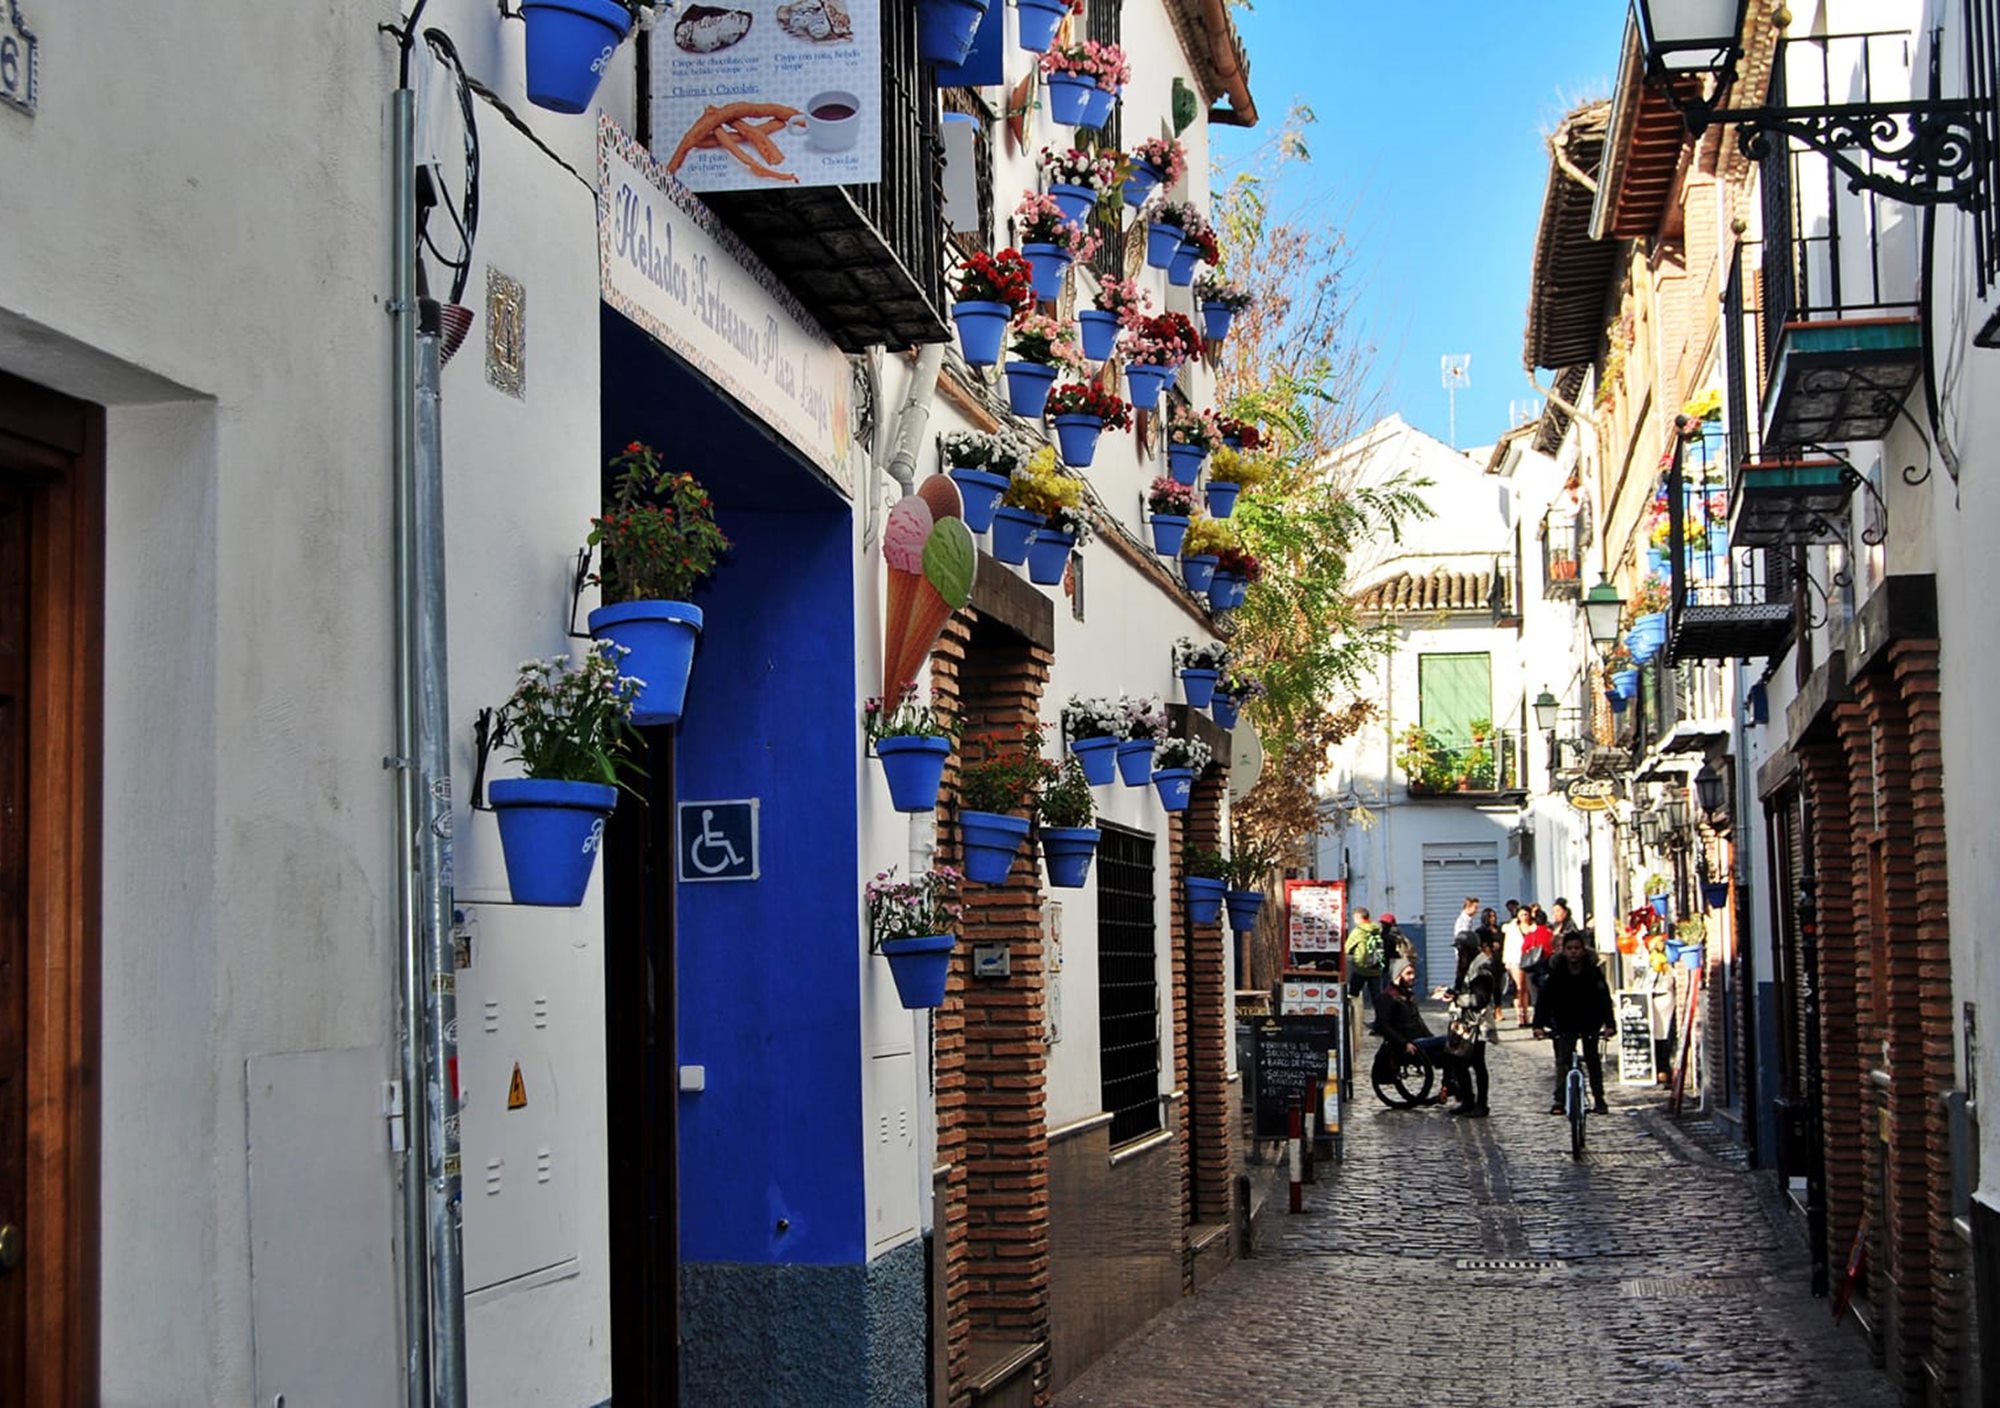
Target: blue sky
{"type": "Point", "coordinates": [1429, 152]}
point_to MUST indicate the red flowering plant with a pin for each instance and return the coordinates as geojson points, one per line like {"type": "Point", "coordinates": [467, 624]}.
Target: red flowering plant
{"type": "Point", "coordinates": [1197, 428]}
{"type": "Point", "coordinates": [1241, 561]}
{"type": "Point", "coordinates": [657, 539]}
{"type": "Point", "coordinates": [1204, 239]}
{"type": "Point", "coordinates": [1251, 437]}
{"type": "Point", "coordinates": [998, 278]}
{"type": "Point", "coordinates": [1039, 220]}
{"type": "Point", "coordinates": [1087, 398]}
{"type": "Point", "coordinates": [1123, 297]}
{"type": "Point", "coordinates": [1050, 342]}
{"type": "Point", "coordinates": [1169, 496]}
{"type": "Point", "coordinates": [1097, 171]}
{"type": "Point", "coordinates": [1164, 341]}
{"type": "Point", "coordinates": [1164, 155]}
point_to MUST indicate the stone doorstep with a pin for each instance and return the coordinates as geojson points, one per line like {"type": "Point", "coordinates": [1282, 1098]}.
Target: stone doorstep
{"type": "Point", "coordinates": [990, 1364]}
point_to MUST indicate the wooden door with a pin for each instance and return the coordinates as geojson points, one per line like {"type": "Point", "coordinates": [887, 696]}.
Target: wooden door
{"type": "Point", "coordinates": [51, 613]}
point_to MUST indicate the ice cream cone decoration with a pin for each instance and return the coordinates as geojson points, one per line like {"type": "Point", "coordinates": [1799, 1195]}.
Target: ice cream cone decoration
{"type": "Point", "coordinates": [930, 556]}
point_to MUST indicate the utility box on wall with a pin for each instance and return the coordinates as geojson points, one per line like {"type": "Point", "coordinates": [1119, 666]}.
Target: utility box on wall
{"type": "Point", "coordinates": [524, 1024]}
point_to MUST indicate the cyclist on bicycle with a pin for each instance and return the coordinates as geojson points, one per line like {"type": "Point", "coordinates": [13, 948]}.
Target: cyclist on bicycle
{"type": "Point", "coordinates": [1576, 1005]}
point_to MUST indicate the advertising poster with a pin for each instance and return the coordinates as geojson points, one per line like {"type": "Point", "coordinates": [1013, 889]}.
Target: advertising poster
{"type": "Point", "coordinates": [769, 94]}
{"type": "Point", "coordinates": [1316, 915]}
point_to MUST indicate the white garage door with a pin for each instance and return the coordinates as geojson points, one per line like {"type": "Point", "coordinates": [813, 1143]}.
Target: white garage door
{"type": "Point", "coordinates": [1451, 872]}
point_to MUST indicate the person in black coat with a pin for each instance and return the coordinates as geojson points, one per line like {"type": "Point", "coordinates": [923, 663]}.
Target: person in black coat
{"type": "Point", "coordinates": [1399, 1023]}
{"type": "Point", "coordinates": [1473, 1003]}
{"type": "Point", "coordinates": [1575, 1004]}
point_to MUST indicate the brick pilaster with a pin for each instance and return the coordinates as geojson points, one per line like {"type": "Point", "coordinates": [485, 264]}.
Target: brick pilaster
{"type": "Point", "coordinates": [1210, 1021]}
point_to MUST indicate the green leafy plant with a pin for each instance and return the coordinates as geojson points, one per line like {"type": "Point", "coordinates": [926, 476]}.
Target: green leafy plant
{"type": "Point", "coordinates": [1250, 861]}
{"type": "Point", "coordinates": [658, 538]}
{"type": "Point", "coordinates": [1003, 775]}
{"type": "Point", "coordinates": [1658, 884]}
{"type": "Point", "coordinates": [1066, 797]}
{"type": "Point", "coordinates": [909, 718]}
{"type": "Point", "coordinates": [571, 722]}
{"type": "Point", "coordinates": [1205, 863]}
{"type": "Point", "coordinates": [1692, 930]}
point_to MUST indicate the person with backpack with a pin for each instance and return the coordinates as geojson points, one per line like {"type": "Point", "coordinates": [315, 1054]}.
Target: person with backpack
{"type": "Point", "coordinates": [1365, 957]}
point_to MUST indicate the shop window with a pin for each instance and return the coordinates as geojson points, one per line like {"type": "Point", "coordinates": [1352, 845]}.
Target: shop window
{"type": "Point", "coordinates": [1128, 989]}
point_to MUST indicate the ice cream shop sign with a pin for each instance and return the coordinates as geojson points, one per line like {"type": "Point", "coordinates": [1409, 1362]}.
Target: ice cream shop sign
{"type": "Point", "coordinates": [666, 263]}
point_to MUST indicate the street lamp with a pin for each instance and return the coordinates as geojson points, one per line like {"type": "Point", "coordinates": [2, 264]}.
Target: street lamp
{"type": "Point", "coordinates": [1676, 818]}
{"type": "Point", "coordinates": [1547, 709]}
{"type": "Point", "coordinates": [1708, 788]}
{"type": "Point", "coordinates": [1691, 36]}
{"type": "Point", "coordinates": [1601, 608]}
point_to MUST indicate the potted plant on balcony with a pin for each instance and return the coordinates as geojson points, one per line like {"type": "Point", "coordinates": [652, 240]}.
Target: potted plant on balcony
{"type": "Point", "coordinates": [1032, 491]}
{"type": "Point", "coordinates": [1232, 692]}
{"type": "Point", "coordinates": [1084, 80]}
{"type": "Point", "coordinates": [1081, 411]}
{"type": "Point", "coordinates": [1199, 245]}
{"type": "Point", "coordinates": [1068, 825]}
{"type": "Point", "coordinates": [1660, 893]}
{"type": "Point", "coordinates": [1191, 436]}
{"type": "Point", "coordinates": [946, 30]}
{"type": "Point", "coordinates": [1481, 773]}
{"type": "Point", "coordinates": [1050, 242]}
{"type": "Point", "coordinates": [1042, 347]}
{"type": "Point", "coordinates": [1233, 472]}
{"type": "Point", "coordinates": [1094, 727]}
{"type": "Point", "coordinates": [1240, 434]}
{"type": "Point", "coordinates": [569, 725]}
{"type": "Point", "coordinates": [1078, 180]}
{"type": "Point", "coordinates": [1426, 761]}
{"type": "Point", "coordinates": [981, 464]}
{"type": "Point", "coordinates": [1171, 504]}
{"type": "Point", "coordinates": [1177, 762]}
{"type": "Point", "coordinates": [569, 47]}
{"type": "Point", "coordinates": [1647, 610]}
{"type": "Point", "coordinates": [1621, 676]}
{"type": "Point", "coordinates": [1220, 302]}
{"type": "Point", "coordinates": [1157, 161]}
{"type": "Point", "coordinates": [914, 924]}
{"type": "Point", "coordinates": [1145, 724]}
{"type": "Point", "coordinates": [1562, 566]}
{"type": "Point", "coordinates": [655, 543]}
{"type": "Point", "coordinates": [1040, 19]}
{"type": "Point", "coordinates": [913, 741]}
{"type": "Point", "coordinates": [1206, 873]}
{"type": "Point", "coordinates": [1249, 863]}
{"type": "Point", "coordinates": [1235, 569]}
{"type": "Point", "coordinates": [1201, 548]}
{"type": "Point", "coordinates": [1118, 301]}
{"type": "Point", "coordinates": [992, 289]}
{"type": "Point", "coordinates": [1200, 666]}
{"type": "Point", "coordinates": [1167, 231]}
{"type": "Point", "coordinates": [1000, 778]}
{"type": "Point", "coordinates": [1151, 349]}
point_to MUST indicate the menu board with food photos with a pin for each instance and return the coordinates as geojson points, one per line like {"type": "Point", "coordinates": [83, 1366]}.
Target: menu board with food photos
{"type": "Point", "coordinates": [1315, 915]}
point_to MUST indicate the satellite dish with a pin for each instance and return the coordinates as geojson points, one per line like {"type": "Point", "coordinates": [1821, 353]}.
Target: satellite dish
{"type": "Point", "coordinates": [1246, 760]}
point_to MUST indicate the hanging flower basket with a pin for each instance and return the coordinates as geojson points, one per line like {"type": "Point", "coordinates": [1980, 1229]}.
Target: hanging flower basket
{"type": "Point", "coordinates": [1168, 530]}
{"type": "Point", "coordinates": [1625, 684]}
{"type": "Point", "coordinates": [920, 967]}
{"type": "Point", "coordinates": [1243, 907]}
{"type": "Point", "coordinates": [1716, 896]}
{"type": "Point", "coordinates": [1099, 333]}
{"type": "Point", "coordinates": [1067, 851]}
{"type": "Point", "coordinates": [1028, 386]}
{"type": "Point", "coordinates": [1662, 904]}
{"type": "Point", "coordinates": [1222, 498]}
{"type": "Point", "coordinates": [1163, 242]}
{"type": "Point", "coordinates": [1222, 708]}
{"type": "Point", "coordinates": [1199, 686]}
{"type": "Point", "coordinates": [1076, 437]}
{"type": "Point", "coordinates": [1048, 556]}
{"type": "Point", "coordinates": [978, 495]}
{"type": "Point", "coordinates": [914, 767]}
{"type": "Point", "coordinates": [1069, 98]}
{"type": "Point", "coordinates": [658, 638]}
{"type": "Point", "coordinates": [1204, 899]}
{"type": "Point", "coordinates": [1180, 269]}
{"type": "Point", "coordinates": [1619, 702]}
{"type": "Point", "coordinates": [1215, 319]}
{"type": "Point", "coordinates": [1145, 176]}
{"type": "Point", "coordinates": [990, 841]}
{"type": "Point", "coordinates": [1075, 202]}
{"type": "Point", "coordinates": [982, 327]}
{"type": "Point", "coordinates": [1098, 757]}
{"type": "Point", "coordinates": [1175, 786]}
{"type": "Point", "coordinates": [1097, 105]}
{"type": "Point", "coordinates": [1146, 383]}
{"type": "Point", "coordinates": [1013, 530]}
{"type": "Point", "coordinates": [1050, 262]}
{"type": "Point", "coordinates": [946, 29]}
{"type": "Point", "coordinates": [550, 833]}
{"type": "Point", "coordinates": [1135, 761]}
{"type": "Point", "coordinates": [570, 44]}
{"type": "Point", "coordinates": [1039, 20]}
{"type": "Point", "coordinates": [1222, 588]}
{"type": "Point", "coordinates": [1198, 571]}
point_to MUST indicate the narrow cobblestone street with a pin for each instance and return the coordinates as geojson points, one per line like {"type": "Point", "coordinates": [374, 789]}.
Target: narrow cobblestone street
{"type": "Point", "coordinates": [1653, 1275]}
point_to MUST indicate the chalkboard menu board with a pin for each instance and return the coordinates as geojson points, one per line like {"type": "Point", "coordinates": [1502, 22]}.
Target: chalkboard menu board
{"type": "Point", "coordinates": [1290, 1062]}
{"type": "Point", "coordinates": [1635, 1039]}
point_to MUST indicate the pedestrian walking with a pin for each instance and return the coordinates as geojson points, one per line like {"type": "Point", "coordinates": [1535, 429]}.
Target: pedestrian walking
{"type": "Point", "coordinates": [1395, 943]}
{"type": "Point", "coordinates": [1513, 932]}
{"type": "Point", "coordinates": [1575, 1005]}
{"type": "Point", "coordinates": [1537, 950]}
{"type": "Point", "coordinates": [1464, 938]}
{"type": "Point", "coordinates": [1474, 1006]}
{"type": "Point", "coordinates": [1365, 956]}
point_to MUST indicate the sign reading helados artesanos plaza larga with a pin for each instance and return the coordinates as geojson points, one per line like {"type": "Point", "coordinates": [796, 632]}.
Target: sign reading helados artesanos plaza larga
{"type": "Point", "coordinates": [762, 96]}
{"type": "Point", "coordinates": [668, 264]}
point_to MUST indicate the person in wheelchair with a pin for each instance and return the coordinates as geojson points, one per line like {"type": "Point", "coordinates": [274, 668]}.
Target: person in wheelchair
{"type": "Point", "coordinates": [1401, 1026]}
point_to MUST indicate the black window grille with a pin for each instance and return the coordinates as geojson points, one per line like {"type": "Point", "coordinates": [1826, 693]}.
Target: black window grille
{"type": "Point", "coordinates": [967, 101]}
{"type": "Point", "coordinates": [904, 204]}
{"type": "Point", "coordinates": [1982, 85]}
{"type": "Point", "coordinates": [1128, 989]}
{"type": "Point", "coordinates": [1103, 22]}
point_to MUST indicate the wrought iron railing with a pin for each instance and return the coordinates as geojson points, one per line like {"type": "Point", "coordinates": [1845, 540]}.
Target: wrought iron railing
{"type": "Point", "coordinates": [906, 206]}
{"type": "Point", "coordinates": [1562, 555]}
{"type": "Point", "coordinates": [1440, 767]}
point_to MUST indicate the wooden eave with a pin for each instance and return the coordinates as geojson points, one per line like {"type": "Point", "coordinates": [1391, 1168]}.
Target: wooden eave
{"type": "Point", "coordinates": [1642, 159]}
{"type": "Point", "coordinates": [1573, 271]}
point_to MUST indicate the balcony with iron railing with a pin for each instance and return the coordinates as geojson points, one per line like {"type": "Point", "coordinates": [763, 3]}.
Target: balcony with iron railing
{"type": "Point", "coordinates": [1725, 601]}
{"type": "Point", "coordinates": [1562, 555]}
{"type": "Point", "coordinates": [1490, 763]}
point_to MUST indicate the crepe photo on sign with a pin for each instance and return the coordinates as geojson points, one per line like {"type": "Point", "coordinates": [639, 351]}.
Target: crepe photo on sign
{"type": "Point", "coordinates": [764, 96]}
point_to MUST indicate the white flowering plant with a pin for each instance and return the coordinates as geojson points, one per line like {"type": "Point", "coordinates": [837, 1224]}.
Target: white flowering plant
{"type": "Point", "coordinates": [1145, 717]}
{"type": "Point", "coordinates": [1072, 519]}
{"type": "Point", "coordinates": [1213, 288]}
{"type": "Point", "coordinates": [1000, 452]}
{"type": "Point", "coordinates": [1092, 717]}
{"type": "Point", "coordinates": [1190, 753]}
{"type": "Point", "coordinates": [908, 717]}
{"type": "Point", "coordinates": [914, 909]}
{"type": "Point", "coordinates": [1208, 655]}
{"type": "Point", "coordinates": [1075, 167]}
{"type": "Point", "coordinates": [571, 722]}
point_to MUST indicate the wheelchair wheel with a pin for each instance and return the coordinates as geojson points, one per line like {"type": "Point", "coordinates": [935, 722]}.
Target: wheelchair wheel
{"type": "Point", "coordinates": [1400, 1081]}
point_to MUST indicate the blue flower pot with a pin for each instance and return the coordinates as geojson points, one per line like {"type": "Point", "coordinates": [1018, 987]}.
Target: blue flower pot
{"type": "Point", "coordinates": [1013, 528]}
{"type": "Point", "coordinates": [1204, 899]}
{"type": "Point", "coordinates": [1234, 442]}
{"type": "Point", "coordinates": [1223, 709]}
{"type": "Point", "coordinates": [1647, 636]}
{"type": "Point", "coordinates": [1715, 896]}
{"type": "Point", "coordinates": [990, 840]}
{"type": "Point", "coordinates": [1098, 757]}
{"type": "Point", "coordinates": [550, 832]}
{"type": "Point", "coordinates": [658, 638]}
{"type": "Point", "coordinates": [1028, 386]}
{"type": "Point", "coordinates": [1163, 242]}
{"type": "Point", "coordinates": [1075, 202]}
{"type": "Point", "coordinates": [1619, 702]}
{"type": "Point", "coordinates": [1168, 530]}
{"type": "Point", "coordinates": [1098, 333]}
{"type": "Point", "coordinates": [1180, 269]}
{"type": "Point", "coordinates": [1222, 498]}
{"type": "Point", "coordinates": [1175, 786]}
{"type": "Point", "coordinates": [1135, 761]}
{"type": "Point", "coordinates": [1184, 462]}
{"type": "Point", "coordinates": [978, 495]}
{"type": "Point", "coordinates": [1222, 585]}
{"type": "Point", "coordinates": [1239, 587]}
{"type": "Point", "coordinates": [1656, 561]}
{"type": "Point", "coordinates": [1140, 183]}
{"type": "Point", "coordinates": [1076, 438]}
{"type": "Point", "coordinates": [1174, 376]}
{"type": "Point", "coordinates": [1243, 907]}
{"type": "Point", "coordinates": [982, 327]}
{"type": "Point", "coordinates": [1694, 955]}
{"type": "Point", "coordinates": [1067, 851]}
{"type": "Point", "coordinates": [1198, 571]}
{"type": "Point", "coordinates": [1097, 105]}
{"type": "Point", "coordinates": [920, 967]}
{"type": "Point", "coordinates": [914, 766]}
{"type": "Point", "coordinates": [1048, 556]}
{"type": "Point", "coordinates": [1145, 383]}
{"type": "Point", "coordinates": [1038, 22]}
{"type": "Point", "coordinates": [1215, 320]}
{"type": "Point", "coordinates": [1049, 262]}
{"type": "Point", "coordinates": [946, 29]}
{"type": "Point", "coordinates": [1625, 684]}
{"type": "Point", "coordinates": [1662, 904]}
{"type": "Point", "coordinates": [570, 44]}
{"type": "Point", "coordinates": [1199, 686]}
{"type": "Point", "coordinates": [1069, 98]}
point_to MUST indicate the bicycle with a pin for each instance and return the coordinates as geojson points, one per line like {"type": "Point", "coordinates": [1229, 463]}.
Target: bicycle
{"type": "Point", "coordinates": [1576, 1091]}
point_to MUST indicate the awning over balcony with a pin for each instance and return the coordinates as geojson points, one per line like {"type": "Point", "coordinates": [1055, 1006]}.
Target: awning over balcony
{"type": "Point", "coordinates": [1840, 380]}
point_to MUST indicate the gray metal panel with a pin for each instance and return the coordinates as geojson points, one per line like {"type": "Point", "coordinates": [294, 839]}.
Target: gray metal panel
{"type": "Point", "coordinates": [323, 1287]}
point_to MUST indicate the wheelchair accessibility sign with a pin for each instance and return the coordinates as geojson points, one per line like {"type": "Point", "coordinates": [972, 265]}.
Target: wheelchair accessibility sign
{"type": "Point", "coordinates": [718, 841]}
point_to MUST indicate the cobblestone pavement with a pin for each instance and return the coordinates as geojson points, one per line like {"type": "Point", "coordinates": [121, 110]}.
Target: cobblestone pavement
{"type": "Point", "coordinates": [1654, 1276]}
